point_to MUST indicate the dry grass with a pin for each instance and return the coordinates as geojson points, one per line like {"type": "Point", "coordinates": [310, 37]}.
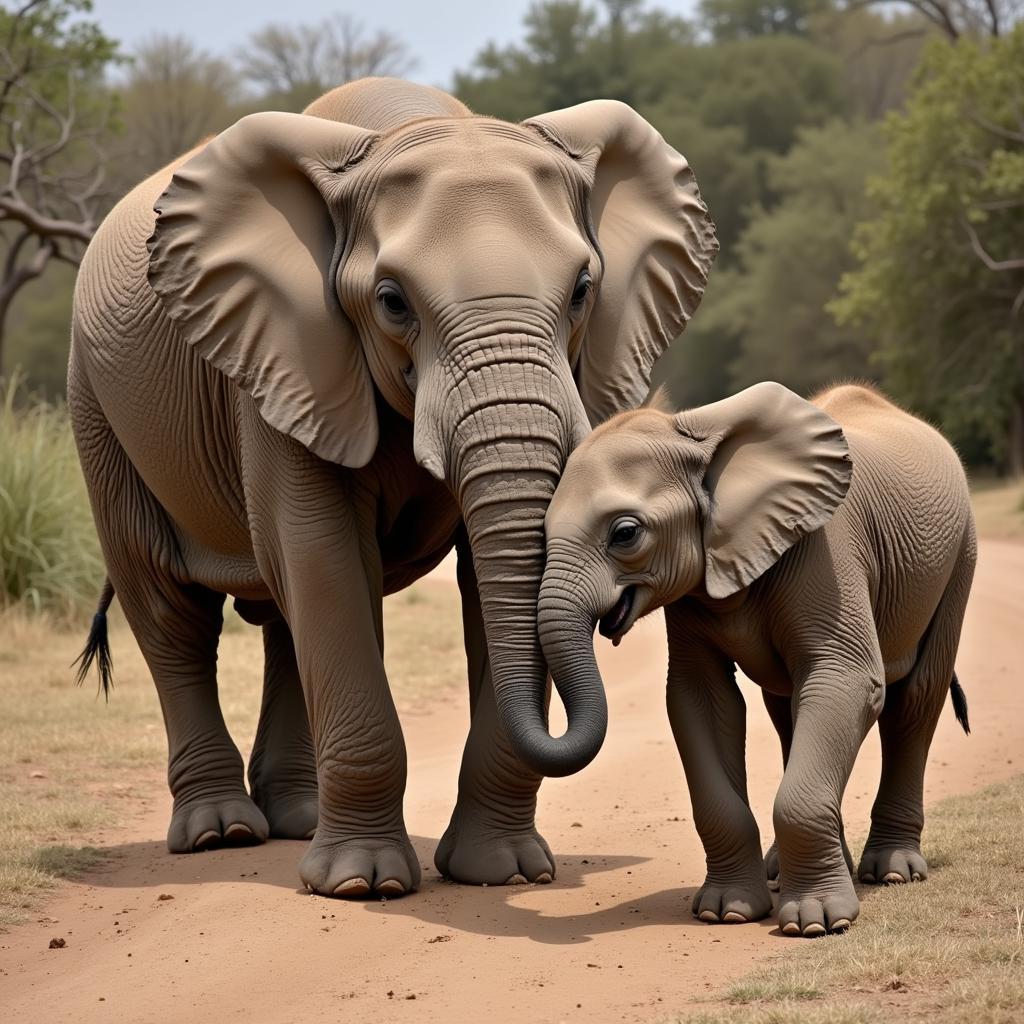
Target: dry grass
{"type": "Point", "coordinates": [72, 766]}
{"type": "Point", "coordinates": [998, 507]}
{"type": "Point", "coordinates": [950, 951]}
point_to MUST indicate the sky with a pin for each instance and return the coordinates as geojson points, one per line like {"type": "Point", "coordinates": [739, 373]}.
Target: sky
{"type": "Point", "coordinates": [443, 35]}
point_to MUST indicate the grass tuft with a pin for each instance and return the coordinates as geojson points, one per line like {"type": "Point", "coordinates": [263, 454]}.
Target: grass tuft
{"type": "Point", "coordinates": [49, 554]}
{"type": "Point", "coordinates": [948, 951]}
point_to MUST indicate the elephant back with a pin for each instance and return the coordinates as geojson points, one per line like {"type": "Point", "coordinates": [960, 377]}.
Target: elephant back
{"type": "Point", "coordinates": [384, 104]}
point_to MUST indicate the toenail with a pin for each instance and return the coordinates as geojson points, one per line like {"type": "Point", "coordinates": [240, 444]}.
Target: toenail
{"type": "Point", "coordinates": [791, 929]}
{"type": "Point", "coordinates": [916, 877]}
{"type": "Point", "coordinates": [516, 879]}
{"type": "Point", "coordinates": [734, 918]}
{"type": "Point", "coordinates": [208, 836]}
{"type": "Point", "coordinates": [353, 887]}
{"type": "Point", "coordinates": [812, 931]}
{"type": "Point", "coordinates": [237, 831]}
{"type": "Point", "coordinates": [841, 925]}
{"type": "Point", "coordinates": [709, 915]}
{"type": "Point", "coordinates": [894, 878]}
{"type": "Point", "coordinates": [869, 878]}
{"type": "Point", "coordinates": [544, 878]}
{"type": "Point", "coordinates": [391, 887]}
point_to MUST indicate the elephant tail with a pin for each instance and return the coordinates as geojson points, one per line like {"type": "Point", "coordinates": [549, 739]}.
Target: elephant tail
{"type": "Point", "coordinates": [959, 698]}
{"type": "Point", "coordinates": [97, 648]}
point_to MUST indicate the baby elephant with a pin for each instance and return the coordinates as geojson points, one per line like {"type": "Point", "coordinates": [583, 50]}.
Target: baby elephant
{"type": "Point", "coordinates": [827, 549]}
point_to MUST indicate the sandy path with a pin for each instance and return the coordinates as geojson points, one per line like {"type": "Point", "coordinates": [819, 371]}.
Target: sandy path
{"type": "Point", "coordinates": [611, 940]}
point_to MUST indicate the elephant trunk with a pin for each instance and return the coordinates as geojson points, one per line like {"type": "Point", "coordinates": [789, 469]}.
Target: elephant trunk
{"type": "Point", "coordinates": [513, 416]}
{"type": "Point", "coordinates": [565, 626]}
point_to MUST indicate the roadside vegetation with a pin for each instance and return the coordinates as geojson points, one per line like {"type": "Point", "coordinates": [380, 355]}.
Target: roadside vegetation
{"type": "Point", "coordinates": [950, 951]}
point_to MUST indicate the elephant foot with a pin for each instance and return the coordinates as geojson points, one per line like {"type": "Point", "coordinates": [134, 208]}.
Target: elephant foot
{"type": "Point", "coordinates": [732, 902]}
{"type": "Point", "coordinates": [812, 911]}
{"type": "Point", "coordinates": [892, 865]}
{"type": "Point", "coordinates": [291, 815]}
{"type": "Point", "coordinates": [360, 866]}
{"type": "Point", "coordinates": [475, 852]}
{"type": "Point", "coordinates": [207, 823]}
{"type": "Point", "coordinates": [771, 863]}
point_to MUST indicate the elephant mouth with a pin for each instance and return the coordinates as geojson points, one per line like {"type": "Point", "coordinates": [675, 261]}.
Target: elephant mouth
{"type": "Point", "coordinates": [616, 623]}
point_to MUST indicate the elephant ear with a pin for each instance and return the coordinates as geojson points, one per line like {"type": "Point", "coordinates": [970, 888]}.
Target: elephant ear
{"type": "Point", "coordinates": [778, 468]}
{"type": "Point", "coordinates": [656, 238]}
{"type": "Point", "coordinates": [243, 257]}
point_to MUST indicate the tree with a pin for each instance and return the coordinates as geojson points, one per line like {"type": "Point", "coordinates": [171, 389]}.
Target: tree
{"type": "Point", "coordinates": [747, 19]}
{"type": "Point", "coordinates": [956, 18]}
{"type": "Point", "coordinates": [54, 109]}
{"type": "Point", "coordinates": [792, 257]}
{"type": "Point", "coordinates": [173, 95]}
{"type": "Point", "coordinates": [292, 66]}
{"type": "Point", "coordinates": [941, 262]}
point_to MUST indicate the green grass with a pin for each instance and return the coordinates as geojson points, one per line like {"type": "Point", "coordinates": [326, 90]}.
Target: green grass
{"type": "Point", "coordinates": [49, 555]}
{"type": "Point", "coordinates": [949, 951]}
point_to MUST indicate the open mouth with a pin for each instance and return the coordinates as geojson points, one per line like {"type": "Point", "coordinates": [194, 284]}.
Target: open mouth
{"type": "Point", "coordinates": [611, 625]}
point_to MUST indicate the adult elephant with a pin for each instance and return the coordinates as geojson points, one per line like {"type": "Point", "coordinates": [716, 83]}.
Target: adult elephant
{"type": "Point", "coordinates": [343, 339]}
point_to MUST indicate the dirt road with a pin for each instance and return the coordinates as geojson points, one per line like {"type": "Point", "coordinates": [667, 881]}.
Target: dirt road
{"type": "Point", "coordinates": [226, 936]}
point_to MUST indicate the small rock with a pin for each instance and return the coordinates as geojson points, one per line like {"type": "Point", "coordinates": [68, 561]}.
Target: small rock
{"type": "Point", "coordinates": [440, 938]}
{"type": "Point", "coordinates": [576, 824]}
{"type": "Point", "coordinates": [37, 775]}
{"type": "Point", "coordinates": [413, 996]}
{"type": "Point", "coordinates": [58, 943]}
{"type": "Point", "coordinates": [165, 896]}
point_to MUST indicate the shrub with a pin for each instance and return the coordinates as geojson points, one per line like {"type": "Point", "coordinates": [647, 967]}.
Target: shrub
{"type": "Point", "coordinates": [49, 554]}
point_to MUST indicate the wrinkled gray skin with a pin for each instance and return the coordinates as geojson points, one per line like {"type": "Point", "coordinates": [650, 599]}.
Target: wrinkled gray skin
{"type": "Point", "coordinates": [349, 338]}
{"type": "Point", "coordinates": [842, 600]}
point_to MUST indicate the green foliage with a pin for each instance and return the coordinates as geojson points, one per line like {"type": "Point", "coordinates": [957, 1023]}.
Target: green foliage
{"type": "Point", "coordinates": [941, 274]}
{"type": "Point", "coordinates": [746, 19]}
{"type": "Point", "coordinates": [39, 332]}
{"type": "Point", "coordinates": [49, 554]}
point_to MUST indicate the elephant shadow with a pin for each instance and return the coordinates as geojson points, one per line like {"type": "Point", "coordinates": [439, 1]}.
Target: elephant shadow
{"type": "Point", "coordinates": [499, 911]}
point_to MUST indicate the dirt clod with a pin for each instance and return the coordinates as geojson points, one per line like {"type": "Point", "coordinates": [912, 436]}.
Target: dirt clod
{"type": "Point", "coordinates": [58, 943]}
{"type": "Point", "coordinates": [440, 938]}
{"type": "Point", "coordinates": [165, 896]}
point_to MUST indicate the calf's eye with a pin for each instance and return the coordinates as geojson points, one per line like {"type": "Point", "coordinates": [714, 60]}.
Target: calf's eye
{"type": "Point", "coordinates": [625, 533]}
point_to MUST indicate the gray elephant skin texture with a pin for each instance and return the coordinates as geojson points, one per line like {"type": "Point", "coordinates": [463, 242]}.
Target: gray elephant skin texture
{"type": "Point", "coordinates": [308, 358]}
{"type": "Point", "coordinates": [826, 547]}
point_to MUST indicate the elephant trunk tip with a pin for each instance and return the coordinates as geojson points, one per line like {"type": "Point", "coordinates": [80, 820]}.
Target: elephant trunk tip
{"type": "Point", "coordinates": [556, 757]}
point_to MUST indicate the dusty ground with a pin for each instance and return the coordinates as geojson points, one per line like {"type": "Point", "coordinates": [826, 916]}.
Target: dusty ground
{"type": "Point", "coordinates": [612, 939]}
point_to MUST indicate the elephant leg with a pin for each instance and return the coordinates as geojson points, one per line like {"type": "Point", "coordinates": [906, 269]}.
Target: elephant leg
{"type": "Point", "coordinates": [836, 705]}
{"type": "Point", "coordinates": [912, 709]}
{"type": "Point", "coordinates": [282, 768]}
{"type": "Point", "coordinates": [492, 837]}
{"type": "Point", "coordinates": [708, 717]}
{"type": "Point", "coordinates": [177, 626]}
{"type": "Point", "coordinates": [780, 711]}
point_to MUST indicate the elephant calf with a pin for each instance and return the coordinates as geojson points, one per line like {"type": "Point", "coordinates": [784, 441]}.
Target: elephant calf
{"type": "Point", "coordinates": [827, 548]}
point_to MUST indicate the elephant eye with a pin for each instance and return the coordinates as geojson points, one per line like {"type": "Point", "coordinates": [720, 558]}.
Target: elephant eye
{"type": "Point", "coordinates": [583, 285]}
{"type": "Point", "coordinates": [392, 302]}
{"type": "Point", "coordinates": [625, 533]}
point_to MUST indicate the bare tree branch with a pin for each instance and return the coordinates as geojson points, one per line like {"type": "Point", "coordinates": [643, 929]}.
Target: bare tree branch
{"type": "Point", "coordinates": [997, 266]}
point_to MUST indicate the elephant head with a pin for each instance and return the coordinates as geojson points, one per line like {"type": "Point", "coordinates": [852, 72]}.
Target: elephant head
{"type": "Point", "coordinates": [502, 285]}
{"type": "Point", "coordinates": [654, 506]}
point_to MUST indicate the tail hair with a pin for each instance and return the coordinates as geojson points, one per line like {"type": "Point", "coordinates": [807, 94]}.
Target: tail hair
{"type": "Point", "coordinates": [97, 648]}
{"type": "Point", "coordinates": [956, 692]}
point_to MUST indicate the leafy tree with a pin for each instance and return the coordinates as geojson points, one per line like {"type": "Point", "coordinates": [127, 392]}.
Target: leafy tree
{"type": "Point", "coordinates": [292, 66]}
{"type": "Point", "coordinates": [941, 261]}
{"type": "Point", "coordinates": [54, 110]}
{"type": "Point", "coordinates": [747, 19]}
{"type": "Point", "coordinates": [569, 55]}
